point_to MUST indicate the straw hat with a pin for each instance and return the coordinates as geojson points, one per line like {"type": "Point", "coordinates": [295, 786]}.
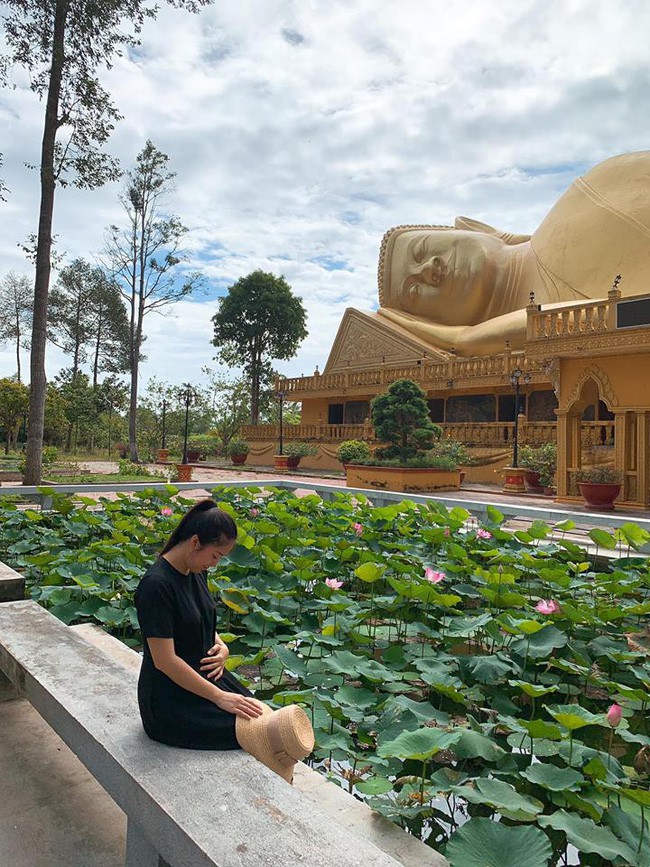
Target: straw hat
{"type": "Point", "coordinates": [277, 738]}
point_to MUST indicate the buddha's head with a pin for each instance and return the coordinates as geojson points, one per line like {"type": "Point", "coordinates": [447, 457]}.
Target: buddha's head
{"type": "Point", "coordinates": [441, 273]}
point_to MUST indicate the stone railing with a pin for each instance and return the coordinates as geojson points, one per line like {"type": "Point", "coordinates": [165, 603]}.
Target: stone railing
{"type": "Point", "coordinates": [430, 375]}
{"type": "Point", "coordinates": [317, 432]}
{"type": "Point", "coordinates": [576, 320]}
{"type": "Point", "coordinates": [472, 433]}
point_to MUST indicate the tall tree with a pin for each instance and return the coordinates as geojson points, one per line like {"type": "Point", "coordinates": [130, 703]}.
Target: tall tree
{"type": "Point", "coordinates": [16, 296]}
{"type": "Point", "coordinates": [145, 259]}
{"type": "Point", "coordinates": [63, 44]}
{"type": "Point", "coordinates": [260, 319]}
{"type": "Point", "coordinates": [87, 319]}
{"type": "Point", "coordinates": [14, 399]}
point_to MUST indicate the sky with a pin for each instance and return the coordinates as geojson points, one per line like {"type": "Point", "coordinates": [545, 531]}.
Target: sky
{"type": "Point", "coordinates": [302, 130]}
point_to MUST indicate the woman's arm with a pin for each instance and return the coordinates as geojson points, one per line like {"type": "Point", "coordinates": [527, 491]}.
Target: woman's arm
{"type": "Point", "coordinates": [213, 664]}
{"type": "Point", "coordinates": [165, 660]}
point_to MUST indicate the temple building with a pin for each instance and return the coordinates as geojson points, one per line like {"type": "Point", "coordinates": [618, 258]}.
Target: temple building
{"type": "Point", "coordinates": [467, 311]}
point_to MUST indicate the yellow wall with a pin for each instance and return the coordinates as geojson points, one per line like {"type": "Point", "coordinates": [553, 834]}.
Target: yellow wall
{"type": "Point", "coordinates": [312, 408]}
{"type": "Point", "coordinates": [624, 379]}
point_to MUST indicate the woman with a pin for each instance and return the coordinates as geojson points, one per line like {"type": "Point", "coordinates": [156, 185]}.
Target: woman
{"type": "Point", "coordinates": [186, 696]}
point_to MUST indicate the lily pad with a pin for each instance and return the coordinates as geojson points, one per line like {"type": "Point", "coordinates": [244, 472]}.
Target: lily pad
{"type": "Point", "coordinates": [587, 836]}
{"type": "Point", "coordinates": [553, 778]}
{"type": "Point", "coordinates": [420, 745]}
{"type": "Point", "coordinates": [484, 843]}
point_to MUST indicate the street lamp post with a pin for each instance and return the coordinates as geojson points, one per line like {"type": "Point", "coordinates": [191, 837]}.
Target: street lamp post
{"type": "Point", "coordinates": [187, 396]}
{"type": "Point", "coordinates": [164, 429]}
{"type": "Point", "coordinates": [516, 377]}
{"type": "Point", "coordinates": [280, 395]}
{"type": "Point", "coordinates": [514, 478]}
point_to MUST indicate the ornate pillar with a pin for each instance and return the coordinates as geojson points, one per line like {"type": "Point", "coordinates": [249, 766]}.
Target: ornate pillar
{"type": "Point", "coordinates": [643, 457]}
{"type": "Point", "coordinates": [622, 449]}
{"type": "Point", "coordinates": [563, 451]}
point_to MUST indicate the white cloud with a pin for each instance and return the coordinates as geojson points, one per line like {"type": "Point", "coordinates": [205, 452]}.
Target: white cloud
{"type": "Point", "coordinates": [302, 131]}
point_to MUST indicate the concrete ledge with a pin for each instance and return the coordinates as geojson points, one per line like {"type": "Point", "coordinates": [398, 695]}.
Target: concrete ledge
{"type": "Point", "coordinates": [346, 810]}
{"type": "Point", "coordinates": [195, 809]}
{"type": "Point", "coordinates": [12, 584]}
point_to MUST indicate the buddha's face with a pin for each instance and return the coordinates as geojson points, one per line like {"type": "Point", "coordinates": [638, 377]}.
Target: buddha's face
{"type": "Point", "coordinates": [445, 275]}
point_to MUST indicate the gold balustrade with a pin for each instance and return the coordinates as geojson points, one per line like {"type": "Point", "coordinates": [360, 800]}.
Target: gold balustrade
{"type": "Point", "coordinates": [430, 375]}
{"type": "Point", "coordinates": [591, 317]}
{"type": "Point", "coordinates": [471, 433]}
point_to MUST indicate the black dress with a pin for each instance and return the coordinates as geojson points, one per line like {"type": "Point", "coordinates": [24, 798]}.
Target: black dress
{"type": "Point", "coordinates": [177, 606]}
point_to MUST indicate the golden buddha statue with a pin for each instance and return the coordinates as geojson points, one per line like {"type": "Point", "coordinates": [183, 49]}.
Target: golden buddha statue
{"type": "Point", "coordinates": [465, 288]}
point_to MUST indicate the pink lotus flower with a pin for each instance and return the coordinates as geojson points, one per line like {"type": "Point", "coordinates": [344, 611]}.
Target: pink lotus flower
{"type": "Point", "coordinates": [358, 529]}
{"type": "Point", "coordinates": [614, 715]}
{"type": "Point", "coordinates": [433, 576]}
{"type": "Point", "coordinates": [547, 606]}
{"type": "Point", "coordinates": [483, 534]}
{"type": "Point", "coordinates": [446, 532]}
{"type": "Point", "coordinates": [254, 512]}
{"type": "Point", "coordinates": [166, 511]}
{"type": "Point", "coordinates": [333, 583]}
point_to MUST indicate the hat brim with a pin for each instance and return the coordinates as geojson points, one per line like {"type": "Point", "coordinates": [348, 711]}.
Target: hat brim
{"type": "Point", "coordinates": [277, 738]}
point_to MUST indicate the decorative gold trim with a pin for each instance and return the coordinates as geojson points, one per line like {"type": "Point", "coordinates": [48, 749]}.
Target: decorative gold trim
{"type": "Point", "coordinates": [601, 379]}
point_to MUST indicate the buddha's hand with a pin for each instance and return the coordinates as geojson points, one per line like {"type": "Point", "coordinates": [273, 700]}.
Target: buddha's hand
{"type": "Point", "coordinates": [213, 664]}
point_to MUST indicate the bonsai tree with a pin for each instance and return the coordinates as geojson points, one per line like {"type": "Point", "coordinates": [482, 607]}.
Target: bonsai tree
{"type": "Point", "coordinates": [400, 418]}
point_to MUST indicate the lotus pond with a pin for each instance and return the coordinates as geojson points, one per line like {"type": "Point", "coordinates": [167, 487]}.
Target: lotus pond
{"type": "Point", "coordinates": [487, 691]}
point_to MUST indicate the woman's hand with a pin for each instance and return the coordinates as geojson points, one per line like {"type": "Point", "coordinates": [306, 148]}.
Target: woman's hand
{"type": "Point", "coordinates": [213, 664]}
{"type": "Point", "coordinates": [239, 705]}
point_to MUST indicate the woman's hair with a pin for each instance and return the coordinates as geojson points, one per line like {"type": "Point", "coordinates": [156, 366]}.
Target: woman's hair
{"type": "Point", "coordinates": [206, 521]}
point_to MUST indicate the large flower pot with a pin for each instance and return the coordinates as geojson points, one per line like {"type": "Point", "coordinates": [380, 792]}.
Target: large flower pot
{"type": "Point", "coordinates": [281, 462]}
{"type": "Point", "coordinates": [599, 496]}
{"type": "Point", "coordinates": [513, 481]}
{"type": "Point", "coordinates": [413, 480]}
{"type": "Point", "coordinates": [293, 461]}
{"type": "Point", "coordinates": [162, 456]}
{"type": "Point", "coordinates": [531, 480]}
{"type": "Point", "coordinates": [193, 455]}
{"type": "Point", "coordinates": [183, 473]}
{"type": "Point", "coordinates": [238, 460]}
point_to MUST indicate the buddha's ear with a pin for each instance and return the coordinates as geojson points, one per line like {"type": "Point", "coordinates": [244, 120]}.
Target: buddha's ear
{"type": "Point", "coordinates": [476, 226]}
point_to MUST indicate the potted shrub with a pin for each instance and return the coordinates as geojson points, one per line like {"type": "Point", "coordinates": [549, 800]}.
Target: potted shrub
{"type": "Point", "coordinates": [540, 463]}
{"type": "Point", "coordinates": [451, 454]}
{"type": "Point", "coordinates": [238, 451]}
{"type": "Point", "coordinates": [297, 449]}
{"type": "Point", "coordinates": [353, 451]}
{"type": "Point", "coordinates": [400, 418]}
{"type": "Point", "coordinates": [599, 487]}
{"type": "Point", "coordinates": [203, 446]}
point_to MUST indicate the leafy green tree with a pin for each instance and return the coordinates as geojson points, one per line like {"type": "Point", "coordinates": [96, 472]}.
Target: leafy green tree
{"type": "Point", "coordinates": [14, 400]}
{"type": "Point", "coordinates": [56, 423]}
{"type": "Point", "coordinates": [145, 260]}
{"type": "Point", "coordinates": [229, 404]}
{"type": "Point", "coordinates": [111, 398]}
{"type": "Point", "coordinates": [16, 297]}
{"type": "Point", "coordinates": [81, 408]}
{"type": "Point", "coordinates": [62, 44]}
{"type": "Point", "coordinates": [87, 319]}
{"type": "Point", "coordinates": [260, 319]}
{"type": "Point", "coordinates": [401, 418]}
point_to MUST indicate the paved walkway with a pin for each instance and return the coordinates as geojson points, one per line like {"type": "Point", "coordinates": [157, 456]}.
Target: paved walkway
{"type": "Point", "coordinates": [484, 493]}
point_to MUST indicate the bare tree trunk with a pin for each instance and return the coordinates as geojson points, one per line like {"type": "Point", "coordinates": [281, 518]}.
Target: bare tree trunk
{"type": "Point", "coordinates": [38, 381]}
